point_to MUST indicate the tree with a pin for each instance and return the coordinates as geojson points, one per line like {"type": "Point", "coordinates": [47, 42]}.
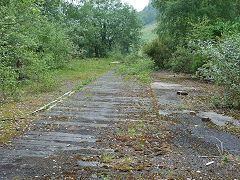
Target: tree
{"type": "Point", "coordinates": [98, 26]}
{"type": "Point", "coordinates": [176, 16]}
{"type": "Point", "coordinates": [148, 14]}
{"type": "Point", "coordinates": [29, 43]}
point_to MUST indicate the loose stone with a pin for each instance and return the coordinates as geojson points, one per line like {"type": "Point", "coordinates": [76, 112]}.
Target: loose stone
{"type": "Point", "coordinates": [193, 113]}
{"type": "Point", "coordinates": [205, 119]}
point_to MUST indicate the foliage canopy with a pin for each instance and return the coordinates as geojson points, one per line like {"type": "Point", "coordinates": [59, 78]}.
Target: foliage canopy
{"type": "Point", "coordinates": [148, 14]}
{"type": "Point", "coordinates": [99, 26]}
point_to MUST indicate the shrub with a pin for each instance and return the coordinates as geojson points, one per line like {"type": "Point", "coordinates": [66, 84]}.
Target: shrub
{"type": "Point", "coordinates": [138, 67]}
{"type": "Point", "coordinates": [115, 55]}
{"type": "Point", "coordinates": [225, 67]}
{"type": "Point", "coordinates": [46, 82]}
{"type": "Point", "coordinates": [205, 29]}
{"type": "Point", "coordinates": [8, 82]}
{"type": "Point", "coordinates": [186, 60]}
{"type": "Point", "coordinates": [53, 45]}
{"type": "Point", "coordinates": [159, 51]}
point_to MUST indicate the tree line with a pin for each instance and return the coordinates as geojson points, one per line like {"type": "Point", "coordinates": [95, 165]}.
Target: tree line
{"type": "Point", "coordinates": [201, 38]}
{"type": "Point", "coordinates": [37, 36]}
{"type": "Point", "coordinates": [148, 14]}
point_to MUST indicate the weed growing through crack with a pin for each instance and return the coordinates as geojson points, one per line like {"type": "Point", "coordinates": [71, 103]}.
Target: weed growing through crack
{"type": "Point", "coordinates": [119, 133]}
{"type": "Point", "coordinates": [139, 144]}
{"type": "Point", "coordinates": [131, 132]}
{"type": "Point", "coordinates": [107, 157]}
{"type": "Point", "coordinates": [139, 134]}
{"type": "Point", "coordinates": [105, 177]}
{"type": "Point", "coordinates": [85, 82]}
{"type": "Point", "coordinates": [137, 67]}
{"type": "Point", "coordinates": [226, 159]}
{"type": "Point", "coordinates": [128, 160]}
{"type": "Point", "coordinates": [140, 125]}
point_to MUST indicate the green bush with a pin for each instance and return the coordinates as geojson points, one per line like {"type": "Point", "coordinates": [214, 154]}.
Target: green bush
{"type": "Point", "coordinates": [8, 83]}
{"type": "Point", "coordinates": [188, 57]}
{"type": "Point", "coordinates": [206, 30]}
{"type": "Point", "coordinates": [138, 67]}
{"type": "Point", "coordinates": [30, 46]}
{"type": "Point", "coordinates": [186, 60]}
{"type": "Point", "coordinates": [46, 82]}
{"type": "Point", "coordinates": [224, 67]}
{"type": "Point", "coordinates": [55, 48]}
{"type": "Point", "coordinates": [159, 51]}
{"type": "Point", "coordinates": [115, 55]}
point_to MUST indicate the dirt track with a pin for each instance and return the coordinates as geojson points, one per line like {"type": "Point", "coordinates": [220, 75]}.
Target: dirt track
{"type": "Point", "coordinates": [113, 128]}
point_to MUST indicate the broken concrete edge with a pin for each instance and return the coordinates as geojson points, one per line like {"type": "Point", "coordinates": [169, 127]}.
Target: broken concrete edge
{"type": "Point", "coordinates": [192, 113]}
{"type": "Point", "coordinates": [53, 103]}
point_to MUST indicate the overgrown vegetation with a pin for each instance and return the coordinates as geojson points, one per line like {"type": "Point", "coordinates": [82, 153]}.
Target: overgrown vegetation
{"type": "Point", "coordinates": [99, 26]}
{"type": "Point", "coordinates": [137, 66]}
{"type": "Point", "coordinates": [41, 36]}
{"type": "Point", "coordinates": [30, 44]}
{"type": "Point", "coordinates": [200, 37]}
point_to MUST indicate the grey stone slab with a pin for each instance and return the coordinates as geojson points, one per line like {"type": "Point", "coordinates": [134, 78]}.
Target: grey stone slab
{"type": "Point", "coordinates": [219, 119]}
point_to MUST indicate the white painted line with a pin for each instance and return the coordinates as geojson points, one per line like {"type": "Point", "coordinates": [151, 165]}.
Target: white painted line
{"type": "Point", "coordinates": [53, 103]}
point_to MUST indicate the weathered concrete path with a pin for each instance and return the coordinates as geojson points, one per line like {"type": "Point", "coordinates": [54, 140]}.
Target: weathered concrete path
{"type": "Point", "coordinates": [121, 129]}
{"type": "Point", "coordinates": [70, 134]}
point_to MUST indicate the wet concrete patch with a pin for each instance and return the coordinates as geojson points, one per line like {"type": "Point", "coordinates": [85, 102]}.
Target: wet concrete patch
{"type": "Point", "coordinates": [169, 112]}
{"type": "Point", "coordinates": [194, 131]}
{"type": "Point", "coordinates": [192, 128]}
{"type": "Point", "coordinates": [16, 153]}
{"type": "Point", "coordinates": [73, 124]}
{"type": "Point", "coordinates": [217, 119]}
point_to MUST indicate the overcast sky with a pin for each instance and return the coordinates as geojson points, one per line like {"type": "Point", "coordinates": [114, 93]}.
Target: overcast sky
{"type": "Point", "coordinates": [137, 4]}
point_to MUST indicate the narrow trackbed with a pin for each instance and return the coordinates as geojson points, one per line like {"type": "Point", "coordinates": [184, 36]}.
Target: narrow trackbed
{"type": "Point", "coordinates": [70, 135]}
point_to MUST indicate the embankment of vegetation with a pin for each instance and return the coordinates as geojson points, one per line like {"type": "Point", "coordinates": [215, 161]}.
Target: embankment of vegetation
{"type": "Point", "coordinates": [200, 38]}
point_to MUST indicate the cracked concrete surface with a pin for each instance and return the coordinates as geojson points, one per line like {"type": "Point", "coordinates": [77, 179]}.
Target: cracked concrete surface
{"type": "Point", "coordinates": [69, 141]}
